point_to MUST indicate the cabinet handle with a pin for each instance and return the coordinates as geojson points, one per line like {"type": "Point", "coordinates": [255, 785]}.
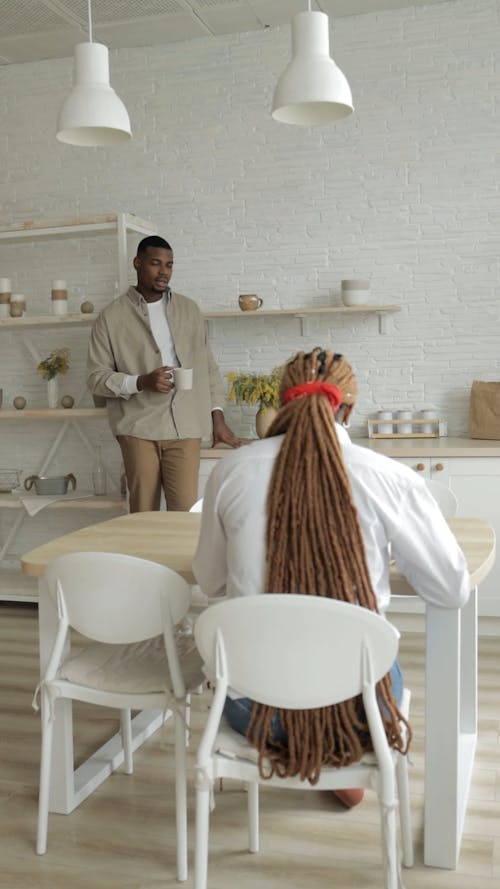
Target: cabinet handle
{"type": "Point", "coordinates": [420, 467]}
{"type": "Point", "coordinates": [439, 467]}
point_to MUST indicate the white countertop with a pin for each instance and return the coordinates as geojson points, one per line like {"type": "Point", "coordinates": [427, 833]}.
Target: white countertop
{"type": "Point", "coordinates": [408, 447]}
{"type": "Point", "coordinates": [446, 446]}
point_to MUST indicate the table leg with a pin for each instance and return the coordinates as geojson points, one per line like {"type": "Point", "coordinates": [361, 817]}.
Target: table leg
{"type": "Point", "coordinates": [68, 787]}
{"type": "Point", "coordinates": [450, 727]}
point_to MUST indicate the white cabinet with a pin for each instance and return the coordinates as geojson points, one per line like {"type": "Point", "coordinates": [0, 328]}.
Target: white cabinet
{"type": "Point", "coordinates": [475, 481]}
{"type": "Point", "coordinates": [118, 226]}
{"type": "Point", "coordinates": [429, 467]}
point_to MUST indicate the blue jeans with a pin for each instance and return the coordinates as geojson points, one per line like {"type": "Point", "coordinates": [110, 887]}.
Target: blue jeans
{"type": "Point", "coordinates": [238, 712]}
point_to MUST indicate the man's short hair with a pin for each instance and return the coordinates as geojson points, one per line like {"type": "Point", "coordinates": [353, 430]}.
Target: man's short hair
{"type": "Point", "coordinates": [153, 241]}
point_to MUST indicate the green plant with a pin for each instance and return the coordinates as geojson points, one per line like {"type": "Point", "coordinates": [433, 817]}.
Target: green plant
{"type": "Point", "coordinates": [56, 363]}
{"type": "Point", "coordinates": [261, 389]}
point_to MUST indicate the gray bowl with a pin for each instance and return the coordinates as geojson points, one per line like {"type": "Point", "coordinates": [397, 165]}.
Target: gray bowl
{"type": "Point", "coordinates": [50, 485]}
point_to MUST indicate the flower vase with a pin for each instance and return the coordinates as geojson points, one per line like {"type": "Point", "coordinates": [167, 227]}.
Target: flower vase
{"type": "Point", "coordinates": [263, 419]}
{"type": "Point", "coordinates": [53, 392]}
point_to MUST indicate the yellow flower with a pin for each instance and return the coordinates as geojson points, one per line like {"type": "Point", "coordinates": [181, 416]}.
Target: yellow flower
{"type": "Point", "coordinates": [261, 389]}
{"type": "Point", "coordinates": [56, 363]}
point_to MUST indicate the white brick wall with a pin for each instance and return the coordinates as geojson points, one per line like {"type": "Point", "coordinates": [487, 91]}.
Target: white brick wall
{"type": "Point", "coordinates": [405, 192]}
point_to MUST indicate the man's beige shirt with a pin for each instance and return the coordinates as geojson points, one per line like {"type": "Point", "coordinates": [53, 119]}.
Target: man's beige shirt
{"type": "Point", "coordinates": [121, 344]}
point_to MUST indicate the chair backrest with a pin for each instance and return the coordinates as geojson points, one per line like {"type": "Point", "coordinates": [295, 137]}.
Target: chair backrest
{"type": "Point", "coordinates": [198, 506]}
{"type": "Point", "coordinates": [295, 651]}
{"type": "Point", "coordinates": [115, 598]}
{"type": "Point", "coordinates": [445, 497]}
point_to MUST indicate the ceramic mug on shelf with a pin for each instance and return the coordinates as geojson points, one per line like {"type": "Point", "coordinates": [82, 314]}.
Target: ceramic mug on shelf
{"type": "Point", "coordinates": [248, 302]}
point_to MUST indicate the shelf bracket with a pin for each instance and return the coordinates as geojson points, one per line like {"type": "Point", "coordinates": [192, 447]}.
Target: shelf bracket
{"type": "Point", "coordinates": [305, 324]}
{"type": "Point", "coordinates": [383, 323]}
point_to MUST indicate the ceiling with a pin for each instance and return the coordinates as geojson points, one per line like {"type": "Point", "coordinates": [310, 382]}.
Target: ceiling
{"type": "Point", "coordinates": [32, 30]}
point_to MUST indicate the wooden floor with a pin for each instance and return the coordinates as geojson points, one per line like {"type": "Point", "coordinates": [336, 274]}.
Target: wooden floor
{"type": "Point", "coordinates": [123, 836]}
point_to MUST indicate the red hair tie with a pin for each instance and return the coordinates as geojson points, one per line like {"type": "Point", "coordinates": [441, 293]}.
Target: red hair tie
{"type": "Point", "coordinates": [315, 387]}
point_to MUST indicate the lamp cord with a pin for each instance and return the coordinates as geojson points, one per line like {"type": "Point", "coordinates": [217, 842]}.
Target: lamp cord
{"type": "Point", "coordinates": [90, 20]}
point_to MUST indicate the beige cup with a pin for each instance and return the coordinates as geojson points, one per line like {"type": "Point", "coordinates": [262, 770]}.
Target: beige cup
{"type": "Point", "coordinates": [17, 305]}
{"type": "Point", "coordinates": [59, 296]}
{"type": "Point", "coordinates": [5, 293]}
{"type": "Point", "coordinates": [248, 302]}
{"type": "Point", "coordinates": [183, 377]}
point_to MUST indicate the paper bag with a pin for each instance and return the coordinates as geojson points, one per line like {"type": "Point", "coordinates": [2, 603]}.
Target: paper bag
{"type": "Point", "coordinates": [484, 410]}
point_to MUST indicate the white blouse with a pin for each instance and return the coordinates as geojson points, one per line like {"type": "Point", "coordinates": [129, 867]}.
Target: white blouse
{"type": "Point", "coordinates": [394, 507]}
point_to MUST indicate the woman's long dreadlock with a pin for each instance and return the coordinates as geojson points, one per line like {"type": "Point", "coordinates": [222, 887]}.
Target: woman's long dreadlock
{"type": "Point", "coordinates": [314, 546]}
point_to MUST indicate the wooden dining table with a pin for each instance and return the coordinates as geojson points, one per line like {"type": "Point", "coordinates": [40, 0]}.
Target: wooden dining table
{"type": "Point", "coordinates": [170, 538]}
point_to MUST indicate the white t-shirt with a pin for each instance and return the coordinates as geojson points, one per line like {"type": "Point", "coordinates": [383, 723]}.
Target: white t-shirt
{"type": "Point", "coordinates": [160, 329]}
{"type": "Point", "coordinates": [394, 507]}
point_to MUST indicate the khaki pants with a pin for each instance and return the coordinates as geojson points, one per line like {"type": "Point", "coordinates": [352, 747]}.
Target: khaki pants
{"type": "Point", "coordinates": [153, 465]}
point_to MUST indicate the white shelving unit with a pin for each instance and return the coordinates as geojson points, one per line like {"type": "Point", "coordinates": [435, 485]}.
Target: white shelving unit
{"type": "Point", "coordinates": [13, 586]}
{"type": "Point", "coordinates": [117, 224]}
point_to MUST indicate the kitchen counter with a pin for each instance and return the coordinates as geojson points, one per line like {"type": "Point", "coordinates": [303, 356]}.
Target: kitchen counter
{"type": "Point", "coordinates": [431, 447]}
{"type": "Point", "coordinates": [407, 447]}
{"type": "Point", "coordinates": [218, 452]}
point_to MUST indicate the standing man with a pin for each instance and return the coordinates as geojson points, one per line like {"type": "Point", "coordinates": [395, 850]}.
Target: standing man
{"type": "Point", "coordinates": [135, 343]}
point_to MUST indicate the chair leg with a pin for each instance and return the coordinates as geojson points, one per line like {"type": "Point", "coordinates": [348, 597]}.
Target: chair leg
{"type": "Point", "coordinates": [126, 733]}
{"type": "Point", "coordinates": [187, 720]}
{"type": "Point", "coordinates": [180, 792]}
{"type": "Point", "coordinates": [45, 767]}
{"type": "Point", "coordinates": [253, 816]}
{"type": "Point", "coordinates": [390, 846]}
{"type": "Point", "coordinates": [201, 838]}
{"type": "Point", "coordinates": [404, 810]}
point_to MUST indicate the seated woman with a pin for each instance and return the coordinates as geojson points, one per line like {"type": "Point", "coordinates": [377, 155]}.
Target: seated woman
{"type": "Point", "coordinates": [306, 511]}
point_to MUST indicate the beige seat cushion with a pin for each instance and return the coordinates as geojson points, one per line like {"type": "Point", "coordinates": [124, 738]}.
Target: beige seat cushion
{"type": "Point", "coordinates": [230, 743]}
{"type": "Point", "coordinates": [141, 667]}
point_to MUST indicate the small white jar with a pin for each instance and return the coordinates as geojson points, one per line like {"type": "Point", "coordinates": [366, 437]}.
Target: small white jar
{"type": "Point", "coordinates": [355, 292]}
{"type": "Point", "coordinates": [427, 413]}
{"type": "Point", "coordinates": [17, 305]}
{"type": "Point", "coordinates": [404, 428]}
{"type": "Point", "coordinates": [59, 295]}
{"type": "Point", "coordinates": [5, 294]}
{"type": "Point", "coordinates": [384, 428]}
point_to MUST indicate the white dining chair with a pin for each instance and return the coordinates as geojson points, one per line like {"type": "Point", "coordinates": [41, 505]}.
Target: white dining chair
{"type": "Point", "coordinates": [298, 652]}
{"type": "Point", "coordinates": [200, 600]}
{"type": "Point", "coordinates": [127, 608]}
{"type": "Point", "coordinates": [445, 497]}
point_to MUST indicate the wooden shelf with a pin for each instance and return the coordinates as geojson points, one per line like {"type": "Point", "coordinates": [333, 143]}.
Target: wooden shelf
{"type": "Point", "coordinates": [114, 225]}
{"type": "Point", "coordinates": [304, 313]}
{"type": "Point", "coordinates": [59, 413]}
{"type": "Point", "coordinates": [28, 322]}
{"type": "Point", "coordinates": [305, 310]}
{"type": "Point", "coordinates": [90, 225]}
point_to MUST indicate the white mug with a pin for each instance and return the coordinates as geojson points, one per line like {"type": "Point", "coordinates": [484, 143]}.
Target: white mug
{"type": "Point", "coordinates": [183, 377]}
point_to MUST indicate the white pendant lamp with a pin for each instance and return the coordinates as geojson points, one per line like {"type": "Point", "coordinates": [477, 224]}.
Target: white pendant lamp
{"type": "Point", "coordinates": [92, 115]}
{"type": "Point", "coordinates": [312, 89]}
